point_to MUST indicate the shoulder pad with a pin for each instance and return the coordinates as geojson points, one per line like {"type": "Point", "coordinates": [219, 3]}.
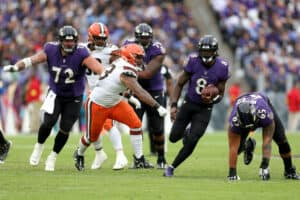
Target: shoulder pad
{"type": "Point", "coordinates": [222, 62]}
{"type": "Point", "coordinates": [193, 55]}
{"type": "Point", "coordinates": [158, 45]}
{"type": "Point", "coordinates": [81, 45]}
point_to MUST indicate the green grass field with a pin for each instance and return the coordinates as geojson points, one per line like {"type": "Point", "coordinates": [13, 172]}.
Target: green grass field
{"type": "Point", "coordinates": [202, 176]}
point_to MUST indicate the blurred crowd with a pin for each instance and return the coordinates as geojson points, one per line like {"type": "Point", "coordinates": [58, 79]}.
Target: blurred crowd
{"type": "Point", "coordinates": [265, 36]}
{"type": "Point", "coordinates": [26, 25]}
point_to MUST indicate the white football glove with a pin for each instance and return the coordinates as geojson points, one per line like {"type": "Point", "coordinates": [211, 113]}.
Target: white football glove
{"type": "Point", "coordinates": [10, 68]}
{"type": "Point", "coordinates": [162, 111]}
{"type": "Point", "coordinates": [135, 102]}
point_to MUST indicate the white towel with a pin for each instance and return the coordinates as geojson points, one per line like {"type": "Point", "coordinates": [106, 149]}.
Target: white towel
{"type": "Point", "coordinates": [48, 105]}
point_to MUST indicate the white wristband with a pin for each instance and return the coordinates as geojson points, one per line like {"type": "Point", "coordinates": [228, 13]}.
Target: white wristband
{"type": "Point", "coordinates": [27, 62]}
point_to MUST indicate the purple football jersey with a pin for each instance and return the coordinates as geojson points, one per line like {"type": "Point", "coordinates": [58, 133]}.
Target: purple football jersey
{"type": "Point", "coordinates": [264, 113]}
{"type": "Point", "coordinates": [66, 74]}
{"type": "Point", "coordinates": [201, 76]}
{"type": "Point", "coordinates": [156, 82]}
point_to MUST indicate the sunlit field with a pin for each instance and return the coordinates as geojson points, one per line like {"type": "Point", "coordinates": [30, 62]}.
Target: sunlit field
{"type": "Point", "coordinates": [202, 176]}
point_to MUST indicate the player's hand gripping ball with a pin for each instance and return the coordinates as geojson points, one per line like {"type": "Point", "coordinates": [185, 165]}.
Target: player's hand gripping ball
{"type": "Point", "coordinates": [209, 93]}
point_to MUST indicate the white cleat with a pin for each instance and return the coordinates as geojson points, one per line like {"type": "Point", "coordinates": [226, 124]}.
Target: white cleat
{"type": "Point", "coordinates": [99, 159]}
{"type": "Point", "coordinates": [50, 163]}
{"type": "Point", "coordinates": [121, 162]}
{"type": "Point", "coordinates": [36, 154]}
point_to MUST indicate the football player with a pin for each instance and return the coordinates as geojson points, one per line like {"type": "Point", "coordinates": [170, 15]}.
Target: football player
{"type": "Point", "coordinates": [105, 102]}
{"type": "Point", "coordinates": [66, 62]}
{"type": "Point", "coordinates": [153, 82]}
{"type": "Point", "coordinates": [249, 112]}
{"type": "Point", "coordinates": [201, 70]}
{"type": "Point", "coordinates": [4, 147]}
{"type": "Point", "coordinates": [101, 49]}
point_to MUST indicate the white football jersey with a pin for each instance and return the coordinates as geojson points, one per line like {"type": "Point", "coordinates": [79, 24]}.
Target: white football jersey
{"type": "Point", "coordinates": [109, 88]}
{"type": "Point", "coordinates": [103, 56]}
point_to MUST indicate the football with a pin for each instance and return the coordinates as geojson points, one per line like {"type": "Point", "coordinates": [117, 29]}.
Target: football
{"type": "Point", "coordinates": [210, 91]}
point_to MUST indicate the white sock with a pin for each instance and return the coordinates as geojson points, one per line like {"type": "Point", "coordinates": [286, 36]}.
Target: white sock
{"type": "Point", "coordinates": [39, 145]}
{"type": "Point", "coordinates": [120, 153]}
{"type": "Point", "coordinates": [53, 154]}
{"type": "Point", "coordinates": [137, 145]}
{"type": "Point", "coordinates": [115, 138]}
{"type": "Point", "coordinates": [98, 144]}
{"type": "Point", "coordinates": [81, 148]}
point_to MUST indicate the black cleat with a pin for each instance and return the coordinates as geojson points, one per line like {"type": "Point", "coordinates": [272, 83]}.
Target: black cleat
{"type": "Point", "coordinates": [79, 161]}
{"type": "Point", "coordinates": [264, 174]}
{"type": "Point", "coordinates": [249, 149]}
{"type": "Point", "coordinates": [161, 163]}
{"type": "Point", "coordinates": [4, 149]}
{"type": "Point", "coordinates": [141, 163]}
{"type": "Point", "coordinates": [292, 174]}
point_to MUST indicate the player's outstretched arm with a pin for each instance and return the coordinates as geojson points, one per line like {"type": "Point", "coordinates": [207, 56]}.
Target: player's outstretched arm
{"type": "Point", "coordinates": [39, 57]}
{"type": "Point", "coordinates": [93, 65]}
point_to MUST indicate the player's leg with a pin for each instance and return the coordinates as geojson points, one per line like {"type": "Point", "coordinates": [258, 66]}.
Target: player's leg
{"type": "Point", "coordinates": [284, 148]}
{"type": "Point", "coordinates": [48, 121]}
{"type": "Point", "coordinates": [95, 118]}
{"type": "Point", "coordinates": [70, 111]}
{"type": "Point", "coordinates": [116, 139]}
{"type": "Point", "coordinates": [4, 147]}
{"type": "Point", "coordinates": [177, 132]}
{"type": "Point", "coordinates": [183, 118]}
{"type": "Point", "coordinates": [100, 155]}
{"type": "Point", "coordinates": [124, 113]}
{"type": "Point", "coordinates": [156, 123]}
{"type": "Point", "coordinates": [200, 117]}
